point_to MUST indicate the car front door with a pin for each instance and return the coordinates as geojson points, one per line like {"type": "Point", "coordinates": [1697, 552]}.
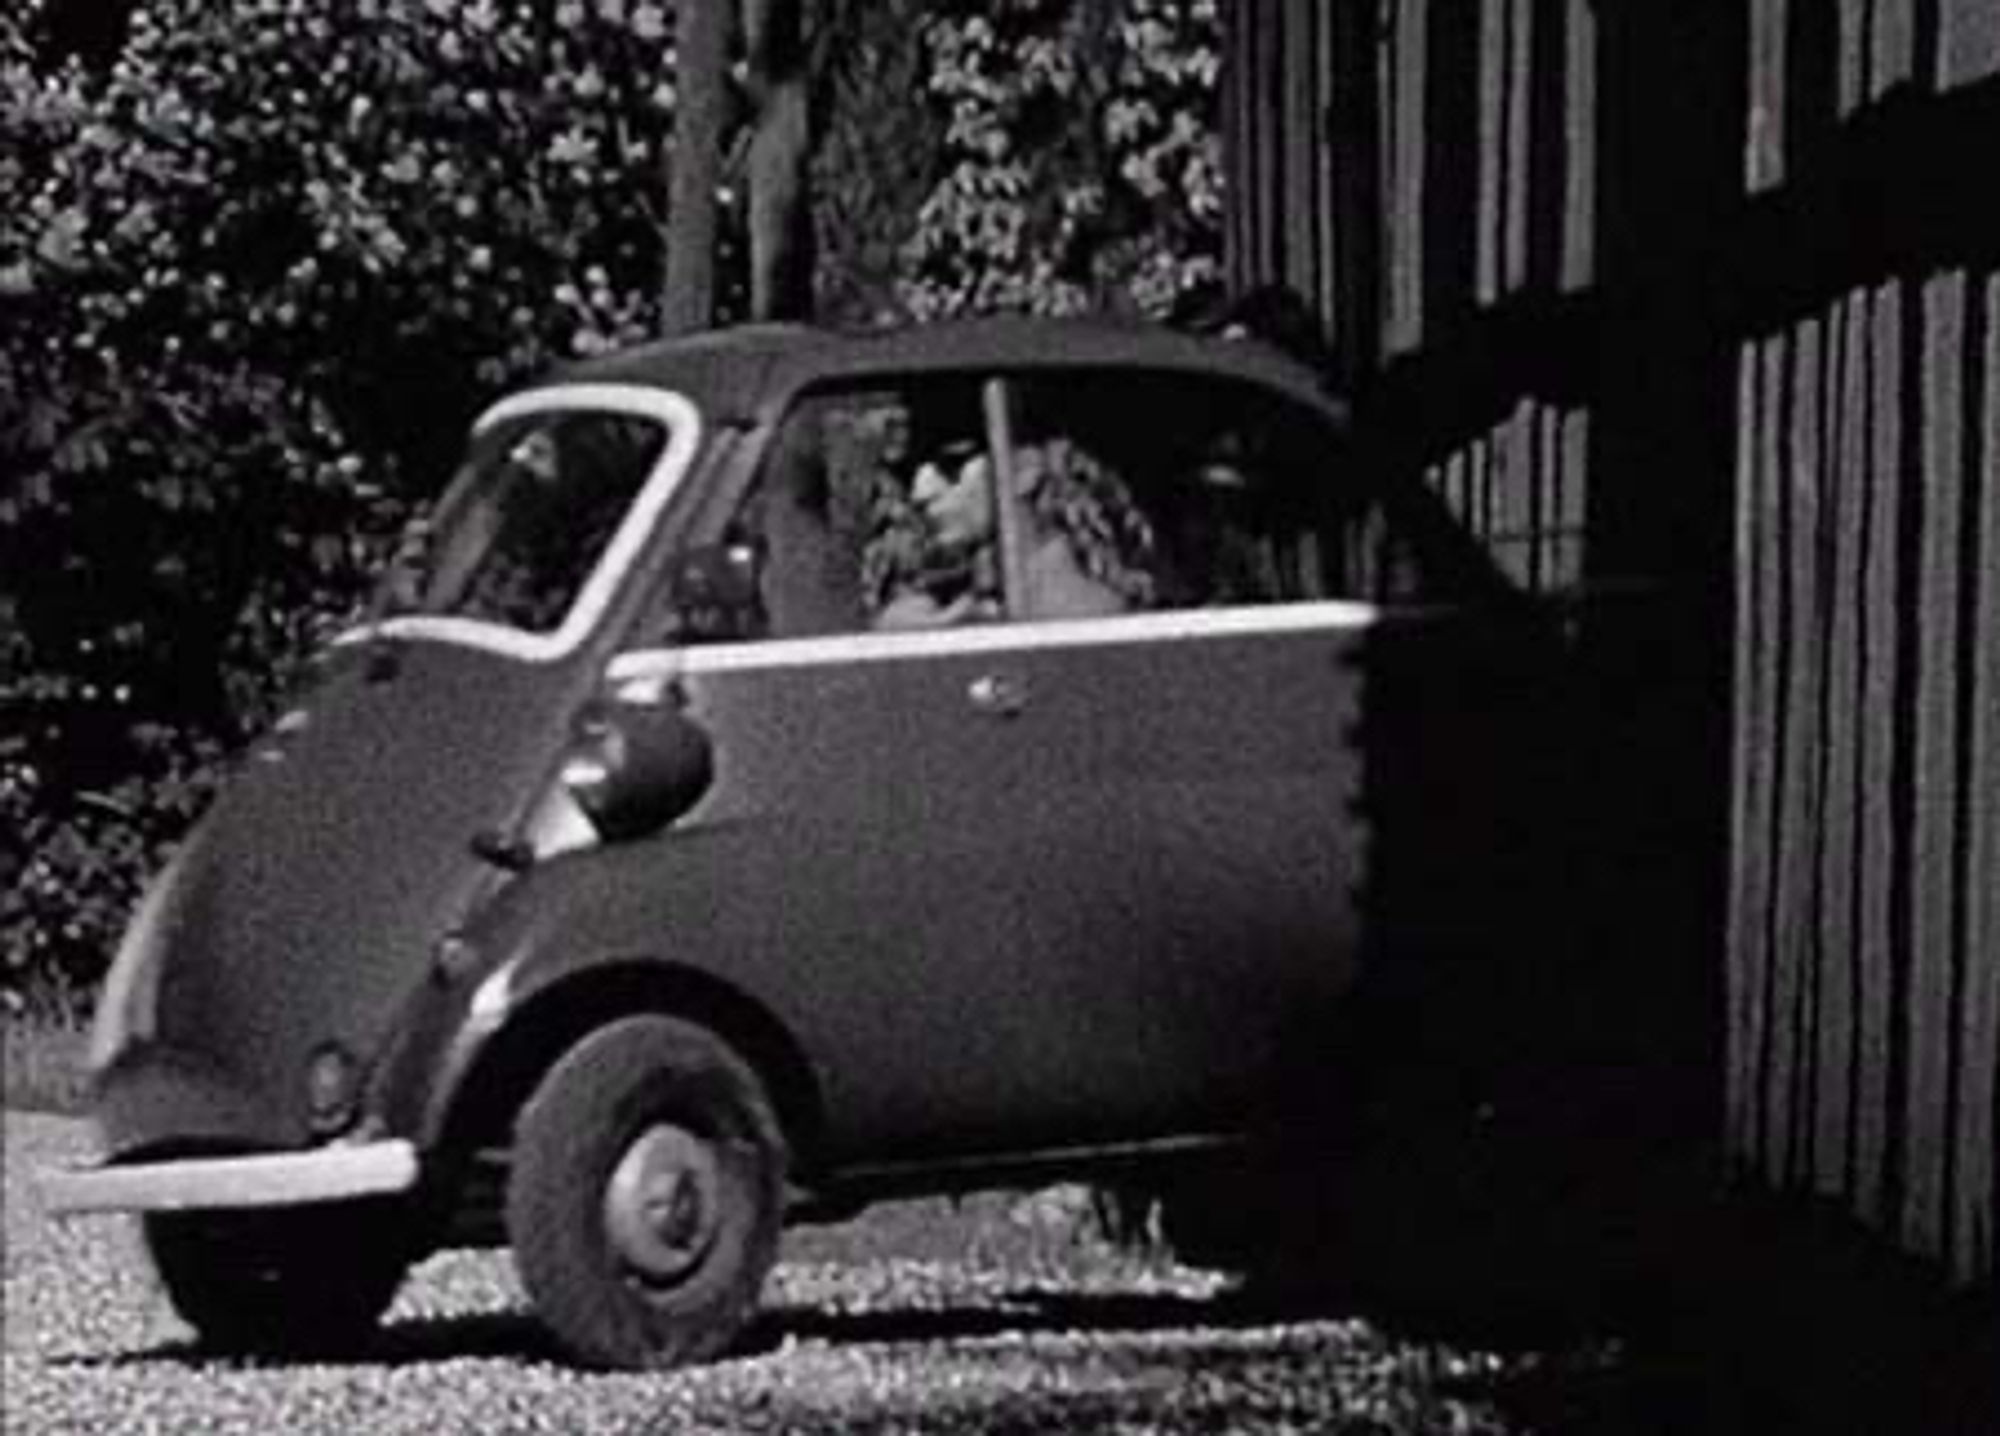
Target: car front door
{"type": "Point", "coordinates": [1063, 834]}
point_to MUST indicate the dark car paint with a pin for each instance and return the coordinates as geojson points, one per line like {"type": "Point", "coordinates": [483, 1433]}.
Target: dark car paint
{"type": "Point", "coordinates": [1025, 980]}
{"type": "Point", "coordinates": [329, 865]}
{"type": "Point", "coordinates": [932, 1020]}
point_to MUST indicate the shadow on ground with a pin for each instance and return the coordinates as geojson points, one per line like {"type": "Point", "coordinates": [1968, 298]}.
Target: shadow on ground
{"type": "Point", "coordinates": [1711, 1309]}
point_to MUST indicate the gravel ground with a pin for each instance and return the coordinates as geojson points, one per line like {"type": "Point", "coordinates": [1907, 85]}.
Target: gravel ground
{"type": "Point", "coordinates": [994, 1316]}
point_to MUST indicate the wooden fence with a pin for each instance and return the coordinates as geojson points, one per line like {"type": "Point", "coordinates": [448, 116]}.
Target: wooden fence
{"type": "Point", "coordinates": [1864, 1006]}
{"type": "Point", "coordinates": [1708, 296]}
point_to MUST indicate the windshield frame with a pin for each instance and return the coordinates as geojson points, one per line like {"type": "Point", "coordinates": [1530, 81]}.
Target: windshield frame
{"type": "Point", "coordinates": [682, 422]}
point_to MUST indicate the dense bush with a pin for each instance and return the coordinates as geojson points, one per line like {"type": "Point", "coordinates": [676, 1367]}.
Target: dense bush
{"type": "Point", "coordinates": [255, 276]}
{"type": "Point", "coordinates": [252, 278]}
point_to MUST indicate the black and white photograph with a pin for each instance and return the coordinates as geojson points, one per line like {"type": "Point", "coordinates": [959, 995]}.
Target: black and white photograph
{"type": "Point", "coordinates": [962, 716]}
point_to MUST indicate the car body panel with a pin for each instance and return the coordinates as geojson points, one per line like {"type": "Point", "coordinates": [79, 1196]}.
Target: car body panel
{"type": "Point", "coordinates": [1130, 951]}
{"type": "Point", "coordinates": [293, 930]}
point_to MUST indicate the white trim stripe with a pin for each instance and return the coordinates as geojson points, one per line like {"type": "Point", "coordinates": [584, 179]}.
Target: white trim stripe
{"type": "Point", "coordinates": [1180, 625]}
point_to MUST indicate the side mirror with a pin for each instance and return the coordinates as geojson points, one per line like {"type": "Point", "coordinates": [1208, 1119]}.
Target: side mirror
{"type": "Point", "coordinates": [639, 764]}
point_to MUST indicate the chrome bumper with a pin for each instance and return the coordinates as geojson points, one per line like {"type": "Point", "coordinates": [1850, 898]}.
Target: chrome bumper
{"type": "Point", "coordinates": [273, 1179]}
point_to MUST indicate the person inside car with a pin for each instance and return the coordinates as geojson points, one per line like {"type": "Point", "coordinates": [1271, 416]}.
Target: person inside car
{"type": "Point", "coordinates": [1057, 489]}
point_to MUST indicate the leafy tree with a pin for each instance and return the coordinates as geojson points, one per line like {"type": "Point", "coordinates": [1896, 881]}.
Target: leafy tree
{"type": "Point", "coordinates": [1082, 165]}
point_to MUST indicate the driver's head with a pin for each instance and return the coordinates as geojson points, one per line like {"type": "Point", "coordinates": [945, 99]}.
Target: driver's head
{"type": "Point", "coordinates": [953, 489]}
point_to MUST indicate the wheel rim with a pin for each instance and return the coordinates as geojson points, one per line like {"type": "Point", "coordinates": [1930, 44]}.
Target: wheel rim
{"type": "Point", "coordinates": [662, 1206]}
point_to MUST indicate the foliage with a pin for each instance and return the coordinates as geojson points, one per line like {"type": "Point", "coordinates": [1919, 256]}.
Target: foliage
{"type": "Point", "coordinates": [1082, 161]}
{"type": "Point", "coordinates": [877, 156]}
{"type": "Point", "coordinates": [253, 279]}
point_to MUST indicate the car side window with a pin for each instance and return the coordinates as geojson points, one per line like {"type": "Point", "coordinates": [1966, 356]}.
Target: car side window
{"type": "Point", "coordinates": [847, 527]}
{"type": "Point", "coordinates": [1196, 492]}
{"type": "Point", "coordinates": [968, 498]}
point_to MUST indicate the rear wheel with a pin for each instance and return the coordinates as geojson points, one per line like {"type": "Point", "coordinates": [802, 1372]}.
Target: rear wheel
{"type": "Point", "coordinates": [646, 1199]}
{"type": "Point", "coordinates": [299, 1281]}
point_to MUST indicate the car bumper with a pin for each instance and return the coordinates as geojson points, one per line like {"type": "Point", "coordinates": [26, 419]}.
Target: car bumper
{"type": "Point", "coordinates": [271, 1179]}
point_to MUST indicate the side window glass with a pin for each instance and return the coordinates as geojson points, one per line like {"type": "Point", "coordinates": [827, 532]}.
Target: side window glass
{"type": "Point", "coordinates": [1090, 494]}
{"type": "Point", "coordinates": [850, 525]}
{"type": "Point", "coordinates": [1206, 493]}
{"type": "Point", "coordinates": [531, 519]}
{"type": "Point", "coordinates": [1149, 491]}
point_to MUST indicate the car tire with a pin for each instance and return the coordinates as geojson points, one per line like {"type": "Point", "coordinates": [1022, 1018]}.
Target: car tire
{"type": "Point", "coordinates": [647, 1193]}
{"type": "Point", "coordinates": [308, 1281]}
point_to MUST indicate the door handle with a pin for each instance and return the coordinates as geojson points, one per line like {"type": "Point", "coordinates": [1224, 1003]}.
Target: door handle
{"type": "Point", "coordinates": [998, 695]}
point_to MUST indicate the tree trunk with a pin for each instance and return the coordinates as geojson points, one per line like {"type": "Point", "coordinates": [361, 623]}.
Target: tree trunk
{"type": "Point", "coordinates": [780, 208]}
{"type": "Point", "coordinates": [702, 29]}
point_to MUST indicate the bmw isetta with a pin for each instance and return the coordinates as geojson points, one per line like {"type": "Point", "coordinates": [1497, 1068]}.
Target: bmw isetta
{"type": "Point", "coordinates": [790, 769]}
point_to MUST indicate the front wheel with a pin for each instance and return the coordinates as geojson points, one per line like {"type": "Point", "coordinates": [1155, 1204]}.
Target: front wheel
{"type": "Point", "coordinates": [646, 1199]}
{"type": "Point", "coordinates": [295, 1282]}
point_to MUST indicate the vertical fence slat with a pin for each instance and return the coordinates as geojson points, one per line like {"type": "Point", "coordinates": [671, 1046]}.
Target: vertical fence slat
{"type": "Point", "coordinates": [1769, 998]}
{"type": "Point", "coordinates": [1406, 195]}
{"type": "Point", "coordinates": [1382, 210]}
{"type": "Point", "coordinates": [1846, 415]}
{"type": "Point", "coordinates": [1979, 1021]}
{"type": "Point", "coordinates": [1852, 69]}
{"type": "Point", "coordinates": [1490, 222]}
{"type": "Point", "coordinates": [1325, 142]}
{"type": "Point", "coordinates": [1881, 679]}
{"type": "Point", "coordinates": [1295, 142]}
{"type": "Point", "coordinates": [1764, 143]}
{"type": "Point", "coordinates": [1489, 151]}
{"type": "Point", "coordinates": [1749, 763]}
{"type": "Point", "coordinates": [1978, 1123]}
{"type": "Point", "coordinates": [1933, 929]}
{"type": "Point", "coordinates": [1517, 190]}
{"type": "Point", "coordinates": [1893, 44]}
{"type": "Point", "coordinates": [1579, 261]}
{"type": "Point", "coordinates": [1798, 758]}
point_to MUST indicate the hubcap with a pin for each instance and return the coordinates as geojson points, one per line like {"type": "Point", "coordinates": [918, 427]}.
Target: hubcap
{"type": "Point", "coordinates": [661, 1205]}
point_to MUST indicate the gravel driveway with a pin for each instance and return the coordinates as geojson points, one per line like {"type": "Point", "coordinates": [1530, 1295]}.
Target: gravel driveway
{"type": "Point", "coordinates": [994, 1316]}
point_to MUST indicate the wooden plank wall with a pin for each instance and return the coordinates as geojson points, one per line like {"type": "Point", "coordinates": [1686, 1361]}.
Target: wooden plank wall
{"type": "Point", "coordinates": [1864, 998]}
{"type": "Point", "coordinates": [1403, 242]}
{"type": "Point", "coordinates": [1605, 311]}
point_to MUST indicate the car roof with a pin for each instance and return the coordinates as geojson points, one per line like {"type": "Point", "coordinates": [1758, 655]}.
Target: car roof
{"type": "Point", "coordinates": [743, 373]}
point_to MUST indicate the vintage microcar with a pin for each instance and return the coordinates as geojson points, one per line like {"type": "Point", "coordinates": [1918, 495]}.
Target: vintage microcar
{"type": "Point", "coordinates": [692, 840]}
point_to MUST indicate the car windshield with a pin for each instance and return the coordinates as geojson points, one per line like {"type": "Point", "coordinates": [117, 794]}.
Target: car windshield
{"type": "Point", "coordinates": [527, 522]}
